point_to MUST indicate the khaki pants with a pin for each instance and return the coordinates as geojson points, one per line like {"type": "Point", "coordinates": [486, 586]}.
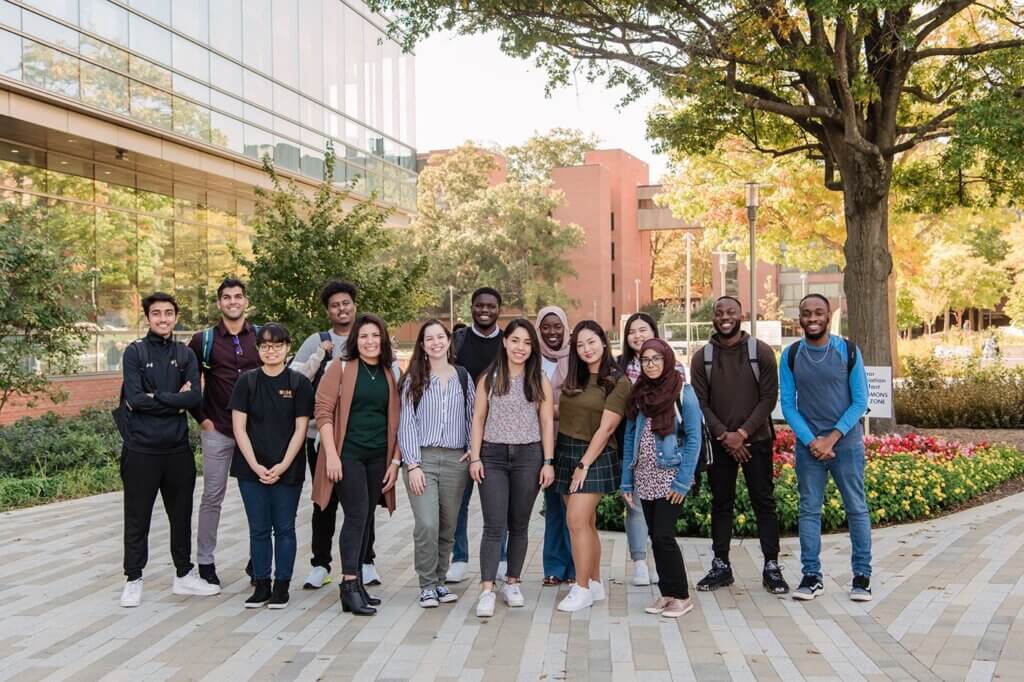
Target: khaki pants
{"type": "Point", "coordinates": [436, 512]}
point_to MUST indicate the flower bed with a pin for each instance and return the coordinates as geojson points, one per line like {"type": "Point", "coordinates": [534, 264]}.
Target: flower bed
{"type": "Point", "coordinates": [907, 478]}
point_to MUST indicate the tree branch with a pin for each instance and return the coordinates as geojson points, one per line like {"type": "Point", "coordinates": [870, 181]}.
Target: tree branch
{"type": "Point", "coordinates": [936, 18]}
{"type": "Point", "coordinates": [853, 135]}
{"type": "Point", "coordinates": [968, 51]}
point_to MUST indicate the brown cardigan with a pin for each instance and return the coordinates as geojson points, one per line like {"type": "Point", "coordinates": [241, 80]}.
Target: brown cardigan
{"type": "Point", "coordinates": [333, 402]}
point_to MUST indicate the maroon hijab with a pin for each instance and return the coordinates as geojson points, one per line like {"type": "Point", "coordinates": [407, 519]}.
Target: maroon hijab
{"type": "Point", "coordinates": [656, 398]}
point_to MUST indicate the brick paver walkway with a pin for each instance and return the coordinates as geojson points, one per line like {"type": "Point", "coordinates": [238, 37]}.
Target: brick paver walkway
{"type": "Point", "coordinates": [948, 596]}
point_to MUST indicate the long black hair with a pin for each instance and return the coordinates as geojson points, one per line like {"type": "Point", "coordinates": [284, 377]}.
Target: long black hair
{"type": "Point", "coordinates": [418, 372]}
{"type": "Point", "coordinates": [628, 353]}
{"type": "Point", "coordinates": [497, 378]}
{"type": "Point", "coordinates": [387, 353]}
{"type": "Point", "coordinates": [579, 373]}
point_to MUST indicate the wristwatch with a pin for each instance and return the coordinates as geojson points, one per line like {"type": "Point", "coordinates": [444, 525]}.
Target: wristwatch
{"type": "Point", "coordinates": [549, 462]}
{"type": "Point", "coordinates": [583, 466]}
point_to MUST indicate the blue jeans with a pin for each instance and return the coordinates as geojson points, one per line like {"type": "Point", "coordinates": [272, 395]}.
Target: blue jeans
{"type": "Point", "coordinates": [271, 508]}
{"type": "Point", "coordinates": [847, 469]}
{"type": "Point", "coordinates": [460, 551]}
{"type": "Point", "coordinates": [636, 532]}
{"type": "Point", "coordinates": [557, 548]}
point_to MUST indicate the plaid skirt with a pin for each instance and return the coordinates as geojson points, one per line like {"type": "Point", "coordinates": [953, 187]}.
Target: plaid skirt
{"type": "Point", "coordinates": [604, 474]}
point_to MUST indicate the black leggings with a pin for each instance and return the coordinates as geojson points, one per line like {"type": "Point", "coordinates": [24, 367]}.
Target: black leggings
{"type": "Point", "coordinates": [661, 517]}
{"type": "Point", "coordinates": [358, 492]}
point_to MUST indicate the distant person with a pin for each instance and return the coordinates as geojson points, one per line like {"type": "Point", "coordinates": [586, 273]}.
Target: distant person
{"type": "Point", "coordinates": [735, 377]}
{"type": "Point", "coordinates": [270, 410]}
{"type": "Point", "coordinates": [824, 391]}
{"type": "Point", "coordinates": [223, 352]}
{"type": "Point", "coordinates": [161, 383]}
{"type": "Point", "coordinates": [990, 350]}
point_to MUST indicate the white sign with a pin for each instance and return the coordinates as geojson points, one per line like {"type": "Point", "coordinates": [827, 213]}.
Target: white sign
{"type": "Point", "coordinates": [769, 331]}
{"type": "Point", "coordinates": [879, 392]}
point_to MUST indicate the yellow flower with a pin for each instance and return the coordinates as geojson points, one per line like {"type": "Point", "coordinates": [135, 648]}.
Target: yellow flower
{"type": "Point", "coordinates": [741, 519]}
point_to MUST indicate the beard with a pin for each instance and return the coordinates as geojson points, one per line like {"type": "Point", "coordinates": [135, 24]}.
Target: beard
{"type": "Point", "coordinates": [735, 330]}
{"type": "Point", "coordinates": [815, 337]}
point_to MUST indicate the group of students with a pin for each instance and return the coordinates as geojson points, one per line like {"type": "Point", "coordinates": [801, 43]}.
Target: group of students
{"type": "Point", "coordinates": [509, 412]}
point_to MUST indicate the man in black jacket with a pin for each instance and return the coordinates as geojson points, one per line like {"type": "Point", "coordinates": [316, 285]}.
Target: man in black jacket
{"type": "Point", "coordinates": [161, 383]}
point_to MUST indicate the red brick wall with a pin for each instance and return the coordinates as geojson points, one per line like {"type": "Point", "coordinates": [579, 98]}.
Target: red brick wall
{"type": "Point", "coordinates": [83, 392]}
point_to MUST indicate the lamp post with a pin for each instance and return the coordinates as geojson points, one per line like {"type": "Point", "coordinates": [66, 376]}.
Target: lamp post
{"type": "Point", "coordinates": [723, 265]}
{"type": "Point", "coordinates": [689, 242]}
{"type": "Point", "coordinates": [803, 284]}
{"type": "Point", "coordinates": [636, 285]}
{"type": "Point", "coordinates": [752, 203]}
{"type": "Point", "coordinates": [451, 305]}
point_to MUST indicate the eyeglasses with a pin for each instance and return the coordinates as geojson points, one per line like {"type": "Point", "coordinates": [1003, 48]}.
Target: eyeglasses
{"type": "Point", "coordinates": [652, 360]}
{"type": "Point", "coordinates": [272, 347]}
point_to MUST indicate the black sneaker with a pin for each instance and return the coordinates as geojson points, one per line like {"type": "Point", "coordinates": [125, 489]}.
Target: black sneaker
{"type": "Point", "coordinates": [208, 572]}
{"type": "Point", "coordinates": [260, 596]}
{"type": "Point", "coordinates": [772, 578]}
{"type": "Point", "coordinates": [861, 590]}
{"type": "Point", "coordinates": [720, 575]}
{"type": "Point", "coordinates": [810, 587]}
{"type": "Point", "coordinates": [279, 595]}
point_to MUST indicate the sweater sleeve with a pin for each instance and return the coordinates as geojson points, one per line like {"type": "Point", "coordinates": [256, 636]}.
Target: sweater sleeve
{"type": "Point", "coordinates": [184, 400]}
{"type": "Point", "coordinates": [702, 389]}
{"type": "Point", "coordinates": [787, 391]}
{"type": "Point", "coordinates": [408, 431]}
{"type": "Point", "coordinates": [135, 389]}
{"type": "Point", "coordinates": [858, 395]}
{"type": "Point", "coordinates": [327, 395]}
{"type": "Point", "coordinates": [768, 387]}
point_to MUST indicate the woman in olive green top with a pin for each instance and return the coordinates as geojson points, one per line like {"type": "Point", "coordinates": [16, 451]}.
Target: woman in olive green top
{"type": "Point", "coordinates": [587, 465]}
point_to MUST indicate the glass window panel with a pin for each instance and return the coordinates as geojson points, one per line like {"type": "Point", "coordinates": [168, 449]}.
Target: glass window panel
{"type": "Point", "coordinates": [63, 9]}
{"type": "Point", "coordinates": [286, 39]}
{"type": "Point", "coordinates": [10, 14]}
{"type": "Point", "coordinates": [258, 90]}
{"type": "Point", "coordinates": [73, 225]}
{"type": "Point", "coordinates": [314, 140]}
{"type": "Point", "coordinates": [332, 124]}
{"type": "Point", "coordinates": [353, 43]}
{"type": "Point", "coordinates": [149, 72]}
{"type": "Point", "coordinates": [389, 88]}
{"type": "Point", "coordinates": [191, 17]}
{"type": "Point", "coordinates": [117, 265]}
{"type": "Point", "coordinates": [226, 16]}
{"type": "Point", "coordinates": [286, 128]}
{"type": "Point", "coordinates": [14, 173]}
{"type": "Point", "coordinates": [190, 274]}
{"type": "Point", "coordinates": [191, 58]}
{"type": "Point", "coordinates": [104, 88]}
{"type": "Point", "coordinates": [256, 29]}
{"type": "Point", "coordinates": [221, 207]}
{"type": "Point", "coordinates": [10, 55]}
{"type": "Point", "coordinates": [50, 31]}
{"type": "Point", "coordinates": [311, 114]}
{"type": "Point", "coordinates": [149, 40]}
{"type": "Point", "coordinates": [258, 142]}
{"type": "Point", "coordinates": [189, 203]}
{"type": "Point", "coordinates": [226, 75]}
{"type": "Point", "coordinates": [354, 133]}
{"type": "Point", "coordinates": [220, 262]}
{"type": "Point", "coordinates": [287, 154]}
{"type": "Point", "coordinates": [408, 191]}
{"type": "Point", "coordinates": [312, 163]}
{"type": "Point", "coordinates": [332, 54]}
{"type": "Point", "coordinates": [310, 32]}
{"type": "Point", "coordinates": [259, 117]}
{"type": "Point", "coordinates": [190, 88]}
{"type": "Point", "coordinates": [154, 195]}
{"type": "Point", "coordinates": [105, 19]}
{"type": "Point", "coordinates": [191, 119]}
{"type": "Point", "coordinates": [104, 53]}
{"type": "Point", "coordinates": [151, 105]}
{"type": "Point", "coordinates": [373, 59]}
{"type": "Point", "coordinates": [155, 254]}
{"type": "Point", "coordinates": [158, 9]}
{"type": "Point", "coordinates": [47, 68]}
{"type": "Point", "coordinates": [116, 187]}
{"type": "Point", "coordinates": [286, 102]}
{"type": "Point", "coordinates": [227, 132]}
{"type": "Point", "coordinates": [227, 103]}
{"type": "Point", "coordinates": [407, 105]}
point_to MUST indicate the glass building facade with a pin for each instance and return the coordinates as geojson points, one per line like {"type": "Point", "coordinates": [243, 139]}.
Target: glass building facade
{"type": "Point", "coordinates": [260, 77]}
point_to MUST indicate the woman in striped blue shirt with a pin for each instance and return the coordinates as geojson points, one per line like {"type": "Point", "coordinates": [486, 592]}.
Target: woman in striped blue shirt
{"type": "Point", "coordinates": [433, 436]}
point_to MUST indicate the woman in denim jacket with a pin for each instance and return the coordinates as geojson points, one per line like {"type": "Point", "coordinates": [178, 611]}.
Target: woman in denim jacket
{"type": "Point", "coordinates": [659, 460]}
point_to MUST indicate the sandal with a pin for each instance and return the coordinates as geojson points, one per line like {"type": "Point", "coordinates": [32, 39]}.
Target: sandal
{"type": "Point", "coordinates": [551, 581]}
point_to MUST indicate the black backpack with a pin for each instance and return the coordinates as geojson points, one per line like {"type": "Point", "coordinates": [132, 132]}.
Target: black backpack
{"type": "Point", "coordinates": [705, 455]}
{"type": "Point", "coordinates": [122, 413]}
{"type": "Point", "coordinates": [851, 356]}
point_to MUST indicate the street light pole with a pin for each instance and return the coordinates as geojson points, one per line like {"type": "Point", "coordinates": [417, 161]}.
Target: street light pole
{"type": "Point", "coordinates": [636, 285]}
{"type": "Point", "coordinates": [752, 202]}
{"type": "Point", "coordinates": [451, 305]}
{"type": "Point", "coordinates": [689, 241]}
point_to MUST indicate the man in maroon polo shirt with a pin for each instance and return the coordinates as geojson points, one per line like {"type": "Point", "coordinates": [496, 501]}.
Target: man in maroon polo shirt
{"type": "Point", "coordinates": [224, 352]}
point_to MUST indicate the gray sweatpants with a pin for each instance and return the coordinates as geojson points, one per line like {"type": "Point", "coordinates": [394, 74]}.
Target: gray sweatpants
{"type": "Point", "coordinates": [436, 512]}
{"type": "Point", "coordinates": [218, 450]}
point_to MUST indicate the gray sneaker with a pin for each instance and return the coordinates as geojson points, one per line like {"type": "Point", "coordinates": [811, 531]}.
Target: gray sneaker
{"type": "Point", "coordinates": [810, 587]}
{"type": "Point", "coordinates": [861, 590]}
{"type": "Point", "coordinates": [444, 595]}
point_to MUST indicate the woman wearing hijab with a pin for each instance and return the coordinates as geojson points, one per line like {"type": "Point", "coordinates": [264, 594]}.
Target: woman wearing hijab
{"type": "Point", "coordinates": [662, 443]}
{"type": "Point", "coordinates": [552, 327]}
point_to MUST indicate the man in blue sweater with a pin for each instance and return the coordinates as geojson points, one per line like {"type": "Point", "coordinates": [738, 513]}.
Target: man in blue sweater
{"type": "Point", "coordinates": [824, 394]}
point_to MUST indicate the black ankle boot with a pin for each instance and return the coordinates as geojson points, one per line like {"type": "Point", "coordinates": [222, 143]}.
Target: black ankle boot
{"type": "Point", "coordinates": [260, 596]}
{"type": "Point", "coordinates": [370, 599]}
{"type": "Point", "coordinates": [352, 600]}
{"type": "Point", "coordinates": [279, 595]}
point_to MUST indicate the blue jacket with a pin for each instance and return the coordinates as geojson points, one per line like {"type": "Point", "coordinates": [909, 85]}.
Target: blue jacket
{"type": "Point", "coordinates": [672, 452]}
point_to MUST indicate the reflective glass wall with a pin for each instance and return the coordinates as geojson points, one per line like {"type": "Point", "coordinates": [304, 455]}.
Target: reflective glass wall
{"type": "Point", "coordinates": [134, 234]}
{"type": "Point", "coordinates": [259, 77]}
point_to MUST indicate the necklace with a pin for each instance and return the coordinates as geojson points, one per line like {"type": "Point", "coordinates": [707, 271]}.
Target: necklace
{"type": "Point", "coordinates": [373, 375]}
{"type": "Point", "coordinates": [810, 357]}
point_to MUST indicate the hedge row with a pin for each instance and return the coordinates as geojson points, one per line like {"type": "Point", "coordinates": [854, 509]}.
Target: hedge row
{"type": "Point", "coordinates": [960, 395]}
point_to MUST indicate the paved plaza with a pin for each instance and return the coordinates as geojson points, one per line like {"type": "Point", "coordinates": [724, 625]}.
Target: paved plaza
{"type": "Point", "coordinates": [948, 595]}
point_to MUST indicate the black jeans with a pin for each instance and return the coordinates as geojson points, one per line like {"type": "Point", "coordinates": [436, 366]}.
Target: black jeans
{"type": "Point", "coordinates": [507, 493]}
{"type": "Point", "coordinates": [323, 519]}
{"type": "Point", "coordinates": [661, 517]}
{"type": "Point", "coordinates": [143, 476]}
{"type": "Point", "coordinates": [757, 472]}
{"type": "Point", "coordinates": [358, 491]}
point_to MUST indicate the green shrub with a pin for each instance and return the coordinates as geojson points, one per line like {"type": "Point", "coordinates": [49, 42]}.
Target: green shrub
{"type": "Point", "coordinates": [966, 395]}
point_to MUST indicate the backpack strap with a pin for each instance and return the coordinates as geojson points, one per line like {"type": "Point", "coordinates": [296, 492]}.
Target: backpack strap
{"type": "Point", "coordinates": [464, 382]}
{"type": "Point", "coordinates": [791, 356]}
{"type": "Point", "coordinates": [851, 355]}
{"type": "Point", "coordinates": [208, 337]}
{"type": "Point", "coordinates": [459, 340]}
{"type": "Point", "coordinates": [755, 365]}
{"type": "Point", "coordinates": [709, 356]}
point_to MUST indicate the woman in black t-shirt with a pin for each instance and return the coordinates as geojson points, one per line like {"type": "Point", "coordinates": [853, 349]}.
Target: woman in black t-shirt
{"type": "Point", "coordinates": [270, 409]}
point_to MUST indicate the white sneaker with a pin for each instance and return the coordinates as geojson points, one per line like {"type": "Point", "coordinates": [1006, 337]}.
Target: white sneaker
{"type": "Point", "coordinates": [641, 576]}
{"type": "Point", "coordinates": [597, 591]}
{"type": "Point", "coordinates": [456, 572]}
{"type": "Point", "coordinates": [192, 584]}
{"type": "Point", "coordinates": [370, 576]}
{"type": "Point", "coordinates": [485, 604]}
{"type": "Point", "coordinates": [512, 595]}
{"type": "Point", "coordinates": [131, 595]}
{"type": "Point", "coordinates": [317, 578]}
{"type": "Point", "coordinates": [502, 571]}
{"type": "Point", "coordinates": [578, 598]}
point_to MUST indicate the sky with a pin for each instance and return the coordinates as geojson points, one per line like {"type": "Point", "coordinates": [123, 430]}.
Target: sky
{"type": "Point", "coordinates": [467, 89]}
